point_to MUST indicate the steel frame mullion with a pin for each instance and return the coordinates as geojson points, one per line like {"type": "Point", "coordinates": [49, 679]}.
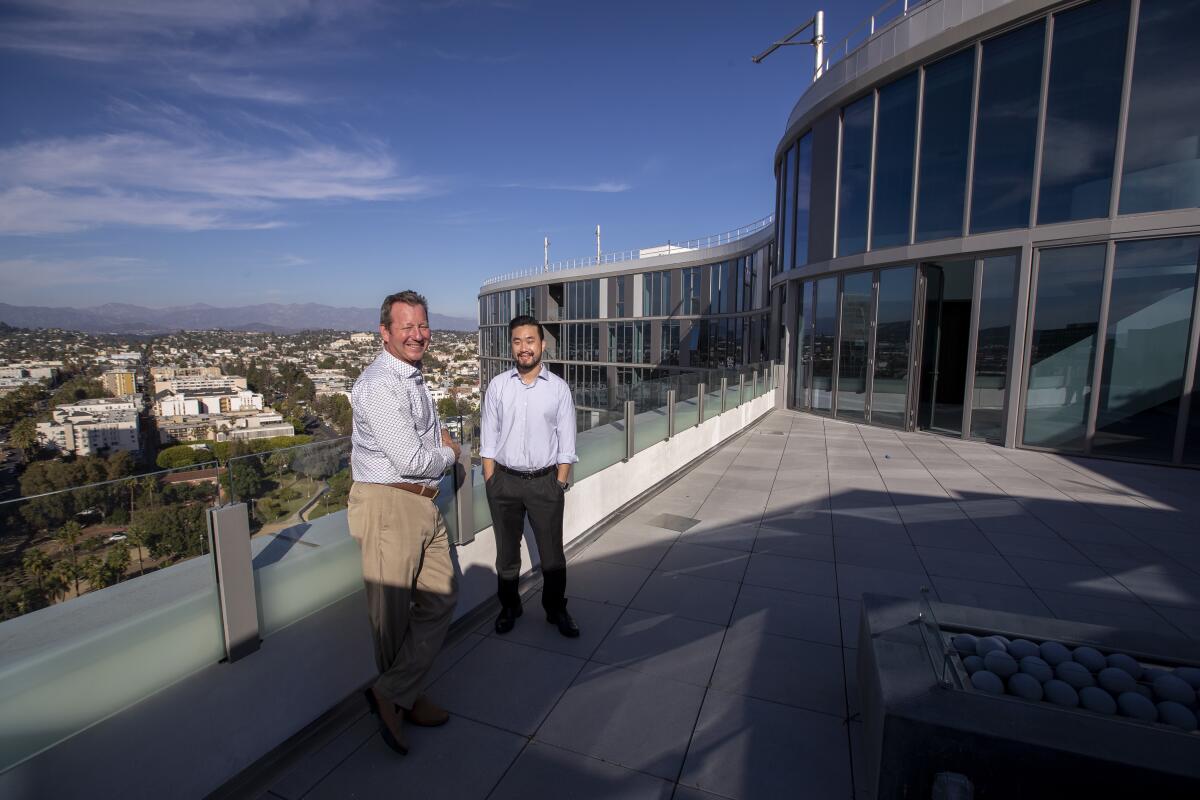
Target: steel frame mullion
{"type": "Point", "coordinates": [1114, 200]}
{"type": "Point", "coordinates": [972, 347]}
{"type": "Point", "coordinates": [1110, 252]}
{"type": "Point", "coordinates": [1189, 379]}
{"type": "Point", "coordinates": [871, 179]}
{"type": "Point", "coordinates": [916, 178]}
{"type": "Point", "coordinates": [837, 346]}
{"type": "Point", "coordinates": [969, 190]}
{"type": "Point", "coordinates": [1043, 103]}
{"type": "Point", "coordinates": [1027, 358]}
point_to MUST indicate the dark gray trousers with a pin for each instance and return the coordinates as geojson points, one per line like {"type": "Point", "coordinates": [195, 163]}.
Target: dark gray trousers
{"type": "Point", "coordinates": [510, 499]}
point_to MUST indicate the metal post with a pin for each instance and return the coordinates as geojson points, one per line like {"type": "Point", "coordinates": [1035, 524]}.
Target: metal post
{"type": "Point", "coordinates": [724, 392]}
{"type": "Point", "coordinates": [754, 392]}
{"type": "Point", "coordinates": [464, 495]}
{"type": "Point", "coordinates": [670, 413]}
{"type": "Point", "coordinates": [630, 410]}
{"type": "Point", "coordinates": [229, 538]}
{"type": "Point", "coordinates": [741, 388]}
{"type": "Point", "coordinates": [701, 391]}
{"type": "Point", "coordinates": [819, 41]}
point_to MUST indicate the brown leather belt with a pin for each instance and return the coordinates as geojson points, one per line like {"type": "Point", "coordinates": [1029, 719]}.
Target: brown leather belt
{"type": "Point", "coordinates": [416, 488]}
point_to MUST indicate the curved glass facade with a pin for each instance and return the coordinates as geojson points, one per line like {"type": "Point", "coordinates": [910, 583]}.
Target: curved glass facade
{"type": "Point", "coordinates": [1003, 242]}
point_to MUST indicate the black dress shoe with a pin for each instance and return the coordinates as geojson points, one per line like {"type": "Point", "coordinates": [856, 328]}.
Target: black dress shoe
{"type": "Point", "coordinates": [507, 618]}
{"type": "Point", "coordinates": [566, 625]}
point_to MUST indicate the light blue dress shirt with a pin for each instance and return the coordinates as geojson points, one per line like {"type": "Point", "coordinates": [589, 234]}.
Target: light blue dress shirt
{"type": "Point", "coordinates": [528, 426]}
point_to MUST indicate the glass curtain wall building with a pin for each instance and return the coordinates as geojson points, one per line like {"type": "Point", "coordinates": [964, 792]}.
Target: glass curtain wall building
{"type": "Point", "coordinates": [631, 329]}
{"type": "Point", "coordinates": [987, 228]}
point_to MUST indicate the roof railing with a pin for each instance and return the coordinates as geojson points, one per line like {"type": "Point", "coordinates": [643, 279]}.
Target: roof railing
{"type": "Point", "coordinates": [671, 246]}
{"type": "Point", "coordinates": [888, 14]}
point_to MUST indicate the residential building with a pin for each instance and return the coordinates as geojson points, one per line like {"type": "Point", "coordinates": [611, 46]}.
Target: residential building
{"type": "Point", "coordinates": [93, 427]}
{"type": "Point", "coordinates": [198, 384]}
{"type": "Point", "coordinates": [119, 382]}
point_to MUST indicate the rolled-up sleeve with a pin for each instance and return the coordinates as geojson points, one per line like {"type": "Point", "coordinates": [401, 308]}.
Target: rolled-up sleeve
{"type": "Point", "coordinates": [489, 424]}
{"type": "Point", "coordinates": [566, 426]}
{"type": "Point", "coordinates": [397, 437]}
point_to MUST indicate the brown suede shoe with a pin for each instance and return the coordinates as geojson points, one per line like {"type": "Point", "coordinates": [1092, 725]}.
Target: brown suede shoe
{"type": "Point", "coordinates": [426, 714]}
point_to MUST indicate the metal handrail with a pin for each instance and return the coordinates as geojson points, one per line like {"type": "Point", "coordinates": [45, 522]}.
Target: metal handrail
{"type": "Point", "coordinates": [870, 23]}
{"type": "Point", "coordinates": [701, 243]}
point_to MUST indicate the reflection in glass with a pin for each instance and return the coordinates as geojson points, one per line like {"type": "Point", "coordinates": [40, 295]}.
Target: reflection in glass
{"type": "Point", "coordinates": [823, 340]}
{"type": "Point", "coordinates": [996, 301]}
{"type": "Point", "coordinates": [895, 147]}
{"type": "Point", "coordinates": [852, 358]}
{"type": "Point", "coordinates": [803, 198]}
{"type": "Point", "coordinates": [1063, 347]}
{"type": "Point", "coordinates": [804, 361]}
{"type": "Point", "coordinates": [945, 133]}
{"type": "Point", "coordinates": [893, 333]}
{"type": "Point", "coordinates": [1191, 443]}
{"type": "Point", "coordinates": [1083, 103]}
{"type": "Point", "coordinates": [1145, 350]}
{"type": "Point", "coordinates": [1162, 155]}
{"type": "Point", "coordinates": [789, 200]}
{"type": "Point", "coordinates": [1010, 86]}
{"type": "Point", "coordinates": [854, 184]}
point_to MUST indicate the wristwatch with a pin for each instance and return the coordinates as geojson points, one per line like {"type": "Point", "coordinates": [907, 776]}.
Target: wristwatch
{"type": "Point", "coordinates": [564, 485]}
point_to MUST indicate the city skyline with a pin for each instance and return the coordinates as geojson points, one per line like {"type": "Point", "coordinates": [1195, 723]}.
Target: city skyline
{"type": "Point", "coordinates": [242, 154]}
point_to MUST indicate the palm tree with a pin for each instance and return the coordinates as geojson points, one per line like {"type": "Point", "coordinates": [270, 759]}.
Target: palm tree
{"type": "Point", "coordinates": [118, 560]}
{"type": "Point", "coordinates": [37, 565]}
{"type": "Point", "coordinates": [65, 573]}
{"type": "Point", "coordinates": [68, 535]}
{"type": "Point", "coordinates": [137, 537]}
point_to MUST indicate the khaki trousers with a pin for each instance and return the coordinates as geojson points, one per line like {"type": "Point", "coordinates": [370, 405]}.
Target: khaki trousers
{"type": "Point", "coordinates": [410, 583]}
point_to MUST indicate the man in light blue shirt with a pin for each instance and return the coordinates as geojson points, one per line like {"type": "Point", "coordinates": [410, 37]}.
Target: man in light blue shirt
{"type": "Point", "coordinates": [528, 447]}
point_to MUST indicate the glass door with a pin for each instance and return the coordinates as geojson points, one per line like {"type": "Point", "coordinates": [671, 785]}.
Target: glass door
{"type": "Point", "coordinates": [964, 334]}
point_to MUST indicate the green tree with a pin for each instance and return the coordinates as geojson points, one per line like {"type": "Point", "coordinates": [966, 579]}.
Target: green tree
{"type": "Point", "coordinates": [181, 455]}
{"type": "Point", "coordinates": [76, 389]}
{"type": "Point", "coordinates": [65, 575]}
{"type": "Point", "coordinates": [447, 407]}
{"type": "Point", "coordinates": [23, 436]}
{"type": "Point", "coordinates": [38, 566]}
{"type": "Point", "coordinates": [137, 537]}
{"type": "Point", "coordinates": [328, 362]}
{"type": "Point", "coordinates": [68, 536]}
{"type": "Point", "coordinates": [117, 559]}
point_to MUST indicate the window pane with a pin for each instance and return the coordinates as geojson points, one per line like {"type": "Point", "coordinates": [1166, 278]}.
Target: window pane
{"type": "Point", "coordinates": [789, 200]}
{"type": "Point", "coordinates": [852, 360]}
{"type": "Point", "coordinates": [1146, 343]}
{"type": "Point", "coordinates": [803, 198]}
{"type": "Point", "coordinates": [893, 335]}
{"type": "Point", "coordinates": [1162, 156]}
{"type": "Point", "coordinates": [1062, 353]}
{"type": "Point", "coordinates": [1087, 60]}
{"type": "Point", "coordinates": [824, 333]}
{"type": "Point", "coordinates": [895, 147]}
{"type": "Point", "coordinates": [991, 348]}
{"type": "Point", "coordinates": [855, 179]}
{"type": "Point", "coordinates": [1010, 86]}
{"type": "Point", "coordinates": [945, 134]}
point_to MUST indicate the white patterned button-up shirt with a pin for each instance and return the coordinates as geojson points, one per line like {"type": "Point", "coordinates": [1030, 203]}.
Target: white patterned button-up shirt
{"type": "Point", "coordinates": [397, 435]}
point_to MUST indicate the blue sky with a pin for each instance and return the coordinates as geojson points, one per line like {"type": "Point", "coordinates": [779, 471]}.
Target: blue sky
{"type": "Point", "coordinates": [170, 151]}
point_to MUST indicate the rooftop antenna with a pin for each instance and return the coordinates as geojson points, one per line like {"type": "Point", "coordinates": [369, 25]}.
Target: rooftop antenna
{"type": "Point", "coordinates": [546, 254]}
{"type": "Point", "coordinates": [817, 23]}
{"type": "Point", "coordinates": [597, 244]}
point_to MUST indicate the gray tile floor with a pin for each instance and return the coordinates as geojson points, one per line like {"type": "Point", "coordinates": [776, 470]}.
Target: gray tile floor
{"type": "Point", "coordinates": [718, 661]}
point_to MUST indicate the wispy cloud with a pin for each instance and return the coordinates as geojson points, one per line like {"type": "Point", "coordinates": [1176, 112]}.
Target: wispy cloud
{"type": "Point", "coordinates": [178, 173]}
{"type": "Point", "coordinates": [603, 187]}
{"type": "Point", "coordinates": [35, 272]}
{"type": "Point", "coordinates": [248, 87]}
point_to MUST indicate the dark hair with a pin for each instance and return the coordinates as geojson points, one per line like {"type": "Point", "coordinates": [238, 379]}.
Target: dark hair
{"type": "Point", "coordinates": [525, 319]}
{"type": "Point", "coordinates": [408, 297]}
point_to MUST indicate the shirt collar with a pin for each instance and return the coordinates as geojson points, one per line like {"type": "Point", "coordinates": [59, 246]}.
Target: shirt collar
{"type": "Point", "coordinates": [543, 373]}
{"type": "Point", "coordinates": [398, 365]}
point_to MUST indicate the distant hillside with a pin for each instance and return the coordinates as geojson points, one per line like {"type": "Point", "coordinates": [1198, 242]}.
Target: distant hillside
{"type": "Point", "coordinates": [267, 317]}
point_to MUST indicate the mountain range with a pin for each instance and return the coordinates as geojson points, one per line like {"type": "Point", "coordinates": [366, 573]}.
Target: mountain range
{"type": "Point", "coordinates": [265, 317]}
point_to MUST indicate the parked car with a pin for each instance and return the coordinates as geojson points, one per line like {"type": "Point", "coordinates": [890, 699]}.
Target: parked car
{"type": "Point", "coordinates": [116, 537]}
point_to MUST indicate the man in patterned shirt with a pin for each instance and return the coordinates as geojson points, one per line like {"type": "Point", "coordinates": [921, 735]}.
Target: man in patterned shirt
{"type": "Point", "coordinates": [400, 451]}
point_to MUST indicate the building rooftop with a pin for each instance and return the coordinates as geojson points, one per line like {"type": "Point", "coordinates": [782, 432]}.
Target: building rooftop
{"type": "Point", "coordinates": [720, 616]}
